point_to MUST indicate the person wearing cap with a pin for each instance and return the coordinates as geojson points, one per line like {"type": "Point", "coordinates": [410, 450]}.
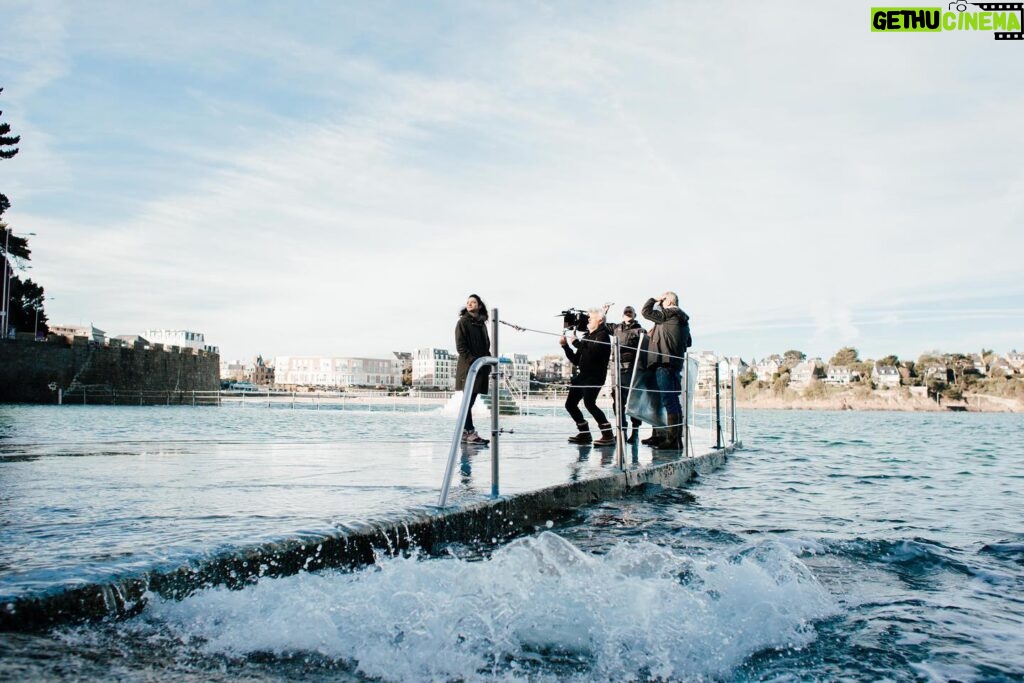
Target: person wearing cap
{"type": "Point", "coordinates": [628, 333]}
{"type": "Point", "coordinates": [670, 337]}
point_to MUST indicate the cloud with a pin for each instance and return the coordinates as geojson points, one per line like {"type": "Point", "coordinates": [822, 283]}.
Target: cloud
{"type": "Point", "coordinates": [306, 193]}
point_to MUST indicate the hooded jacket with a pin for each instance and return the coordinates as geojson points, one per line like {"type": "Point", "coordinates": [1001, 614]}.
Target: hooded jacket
{"type": "Point", "coordinates": [628, 335]}
{"type": "Point", "coordinates": [670, 337]}
{"type": "Point", "coordinates": [472, 342]}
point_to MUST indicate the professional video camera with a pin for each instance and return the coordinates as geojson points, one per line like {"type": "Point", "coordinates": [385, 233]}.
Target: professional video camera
{"type": "Point", "coordinates": [575, 319]}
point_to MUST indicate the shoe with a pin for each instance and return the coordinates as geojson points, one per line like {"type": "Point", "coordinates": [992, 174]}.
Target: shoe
{"type": "Point", "coordinates": [655, 437]}
{"type": "Point", "coordinates": [474, 439]}
{"type": "Point", "coordinates": [673, 435]}
{"type": "Point", "coordinates": [634, 436]}
{"type": "Point", "coordinates": [582, 435]}
{"type": "Point", "coordinates": [607, 435]}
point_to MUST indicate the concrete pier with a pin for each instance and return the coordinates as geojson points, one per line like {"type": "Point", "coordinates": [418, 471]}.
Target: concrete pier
{"type": "Point", "coordinates": [482, 521]}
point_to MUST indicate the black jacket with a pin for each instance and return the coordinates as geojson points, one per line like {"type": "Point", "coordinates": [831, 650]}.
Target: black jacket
{"type": "Point", "coordinates": [628, 335]}
{"type": "Point", "coordinates": [591, 358]}
{"type": "Point", "coordinates": [472, 342]}
{"type": "Point", "coordinates": [671, 335]}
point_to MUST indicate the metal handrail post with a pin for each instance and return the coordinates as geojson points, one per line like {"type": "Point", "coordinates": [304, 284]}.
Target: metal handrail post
{"type": "Point", "coordinates": [732, 398]}
{"type": "Point", "coordinates": [620, 439]}
{"type": "Point", "coordinates": [718, 408]}
{"type": "Point", "coordinates": [460, 424]}
{"type": "Point", "coordinates": [686, 404]}
{"type": "Point", "coordinates": [495, 405]}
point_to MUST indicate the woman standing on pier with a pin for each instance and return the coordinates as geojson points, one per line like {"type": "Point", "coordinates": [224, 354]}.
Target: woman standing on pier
{"type": "Point", "coordinates": [472, 342]}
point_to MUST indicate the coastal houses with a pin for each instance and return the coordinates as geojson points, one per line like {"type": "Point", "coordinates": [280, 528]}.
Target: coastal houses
{"type": "Point", "coordinates": [885, 375]}
{"type": "Point", "coordinates": [840, 375]}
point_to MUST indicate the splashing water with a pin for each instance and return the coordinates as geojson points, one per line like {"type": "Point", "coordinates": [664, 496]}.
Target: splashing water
{"type": "Point", "coordinates": [538, 608]}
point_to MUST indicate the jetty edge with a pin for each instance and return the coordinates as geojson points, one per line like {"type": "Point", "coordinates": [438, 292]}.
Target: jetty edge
{"type": "Point", "coordinates": [423, 528]}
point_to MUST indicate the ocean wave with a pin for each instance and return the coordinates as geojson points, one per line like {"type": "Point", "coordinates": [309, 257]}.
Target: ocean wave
{"type": "Point", "coordinates": [539, 608]}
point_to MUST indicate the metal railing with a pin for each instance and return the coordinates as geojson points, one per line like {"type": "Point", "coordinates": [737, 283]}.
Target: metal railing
{"type": "Point", "coordinates": [460, 426]}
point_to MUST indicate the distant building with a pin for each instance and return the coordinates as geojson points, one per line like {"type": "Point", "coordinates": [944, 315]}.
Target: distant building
{"type": "Point", "coordinates": [840, 375]}
{"type": "Point", "coordinates": [707, 361]}
{"type": "Point", "coordinates": [520, 372]}
{"type": "Point", "coordinates": [1016, 361]}
{"type": "Point", "coordinates": [90, 332]}
{"type": "Point", "coordinates": [232, 371]}
{"type": "Point", "coordinates": [259, 372]}
{"type": "Point", "coordinates": [1000, 367]}
{"type": "Point", "coordinates": [185, 339]}
{"type": "Point", "coordinates": [885, 375]}
{"type": "Point", "coordinates": [433, 367]}
{"type": "Point", "coordinates": [553, 368]}
{"type": "Point", "coordinates": [801, 374]}
{"type": "Point", "coordinates": [405, 359]}
{"type": "Point", "coordinates": [337, 372]}
{"type": "Point", "coordinates": [767, 368]}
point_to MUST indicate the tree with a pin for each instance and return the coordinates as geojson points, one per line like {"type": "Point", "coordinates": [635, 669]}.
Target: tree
{"type": "Point", "coordinates": [845, 356]}
{"type": "Point", "coordinates": [889, 360]}
{"type": "Point", "coordinates": [7, 141]}
{"type": "Point", "coordinates": [791, 358]}
{"type": "Point", "coordinates": [25, 298]}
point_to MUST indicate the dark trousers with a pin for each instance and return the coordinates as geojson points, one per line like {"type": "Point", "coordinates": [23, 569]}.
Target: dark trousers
{"type": "Point", "coordinates": [669, 385]}
{"type": "Point", "coordinates": [469, 413]}
{"type": "Point", "coordinates": [589, 398]}
{"type": "Point", "coordinates": [625, 377]}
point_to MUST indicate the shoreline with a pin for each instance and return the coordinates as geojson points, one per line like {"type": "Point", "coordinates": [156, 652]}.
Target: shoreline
{"type": "Point", "coordinates": [881, 401]}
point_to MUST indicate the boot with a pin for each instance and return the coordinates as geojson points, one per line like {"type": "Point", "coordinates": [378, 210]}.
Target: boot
{"type": "Point", "coordinates": [673, 435]}
{"type": "Point", "coordinates": [471, 437]}
{"type": "Point", "coordinates": [607, 435]}
{"type": "Point", "coordinates": [584, 434]}
{"type": "Point", "coordinates": [636, 430]}
{"type": "Point", "coordinates": [656, 437]}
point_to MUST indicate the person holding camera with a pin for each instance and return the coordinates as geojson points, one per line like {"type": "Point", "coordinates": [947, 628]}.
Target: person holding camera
{"type": "Point", "coordinates": [590, 358]}
{"type": "Point", "coordinates": [472, 342]}
{"type": "Point", "coordinates": [628, 333]}
{"type": "Point", "coordinates": [670, 338]}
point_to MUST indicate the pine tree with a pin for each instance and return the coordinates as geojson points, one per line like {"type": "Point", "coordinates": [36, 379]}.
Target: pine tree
{"type": "Point", "coordinates": [24, 297]}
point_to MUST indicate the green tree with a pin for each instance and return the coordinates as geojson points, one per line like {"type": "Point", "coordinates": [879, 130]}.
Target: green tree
{"type": "Point", "coordinates": [25, 297]}
{"type": "Point", "coordinates": [845, 356]}
{"type": "Point", "coordinates": [889, 360]}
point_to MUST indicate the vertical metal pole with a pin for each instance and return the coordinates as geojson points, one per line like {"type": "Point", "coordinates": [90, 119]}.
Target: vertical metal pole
{"type": "Point", "coordinates": [620, 439]}
{"type": "Point", "coordinates": [6, 307]}
{"type": "Point", "coordinates": [732, 397]}
{"type": "Point", "coordinates": [686, 404]}
{"type": "Point", "coordinates": [718, 409]}
{"type": "Point", "coordinates": [60, 397]}
{"type": "Point", "coordinates": [494, 405]}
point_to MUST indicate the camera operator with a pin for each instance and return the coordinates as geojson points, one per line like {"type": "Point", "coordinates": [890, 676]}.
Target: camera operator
{"type": "Point", "coordinates": [670, 338]}
{"type": "Point", "coordinates": [591, 360]}
{"type": "Point", "coordinates": [628, 333]}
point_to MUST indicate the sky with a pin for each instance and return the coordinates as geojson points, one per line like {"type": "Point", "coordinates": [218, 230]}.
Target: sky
{"type": "Point", "coordinates": [333, 178]}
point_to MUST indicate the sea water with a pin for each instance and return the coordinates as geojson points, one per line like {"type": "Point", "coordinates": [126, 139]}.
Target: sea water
{"type": "Point", "coordinates": [834, 546]}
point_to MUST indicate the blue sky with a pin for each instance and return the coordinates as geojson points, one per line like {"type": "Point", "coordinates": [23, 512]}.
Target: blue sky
{"type": "Point", "coordinates": [335, 178]}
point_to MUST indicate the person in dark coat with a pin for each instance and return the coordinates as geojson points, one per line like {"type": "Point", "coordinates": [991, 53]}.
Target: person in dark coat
{"type": "Point", "coordinates": [628, 333]}
{"type": "Point", "coordinates": [472, 342]}
{"type": "Point", "coordinates": [670, 338]}
{"type": "Point", "coordinates": [591, 361]}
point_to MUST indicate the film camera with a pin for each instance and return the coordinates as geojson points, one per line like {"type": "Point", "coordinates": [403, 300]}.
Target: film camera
{"type": "Point", "coordinates": [575, 319]}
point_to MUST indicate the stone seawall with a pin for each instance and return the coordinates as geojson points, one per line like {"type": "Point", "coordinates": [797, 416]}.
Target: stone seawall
{"type": "Point", "coordinates": [28, 369]}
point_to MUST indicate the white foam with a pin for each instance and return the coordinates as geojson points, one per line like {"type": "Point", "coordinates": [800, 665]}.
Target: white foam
{"type": "Point", "coordinates": [639, 611]}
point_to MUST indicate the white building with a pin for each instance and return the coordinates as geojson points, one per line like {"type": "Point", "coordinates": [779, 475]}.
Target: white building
{"type": "Point", "coordinates": [885, 375]}
{"type": "Point", "coordinates": [333, 371]}
{"type": "Point", "coordinates": [90, 332]}
{"type": "Point", "coordinates": [185, 339]}
{"type": "Point", "coordinates": [767, 368]}
{"type": "Point", "coordinates": [520, 372]}
{"type": "Point", "coordinates": [232, 371]}
{"type": "Point", "coordinates": [840, 375]}
{"type": "Point", "coordinates": [433, 367]}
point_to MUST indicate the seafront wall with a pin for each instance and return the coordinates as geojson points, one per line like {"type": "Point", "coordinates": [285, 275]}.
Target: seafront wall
{"type": "Point", "coordinates": [426, 528]}
{"type": "Point", "coordinates": [29, 368]}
